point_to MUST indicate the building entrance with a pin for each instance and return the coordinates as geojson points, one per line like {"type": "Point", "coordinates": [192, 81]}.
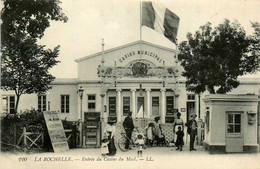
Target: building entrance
{"type": "Point", "coordinates": [140, 107]}
{"type": "Point", "coordinates": [190, 109]}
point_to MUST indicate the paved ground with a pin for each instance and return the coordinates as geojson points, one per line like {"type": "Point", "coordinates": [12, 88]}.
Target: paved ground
{"type": "Point", "coordinates": [156, 157]}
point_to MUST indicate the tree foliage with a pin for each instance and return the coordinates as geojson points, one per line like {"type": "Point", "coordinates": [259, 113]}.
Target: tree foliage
{"type": "Point", "coordinates": [213, 58]}
{"type": "Point", "coordinates": [26, 64]}
{"type": "Point", "coordinates": [29, 17]}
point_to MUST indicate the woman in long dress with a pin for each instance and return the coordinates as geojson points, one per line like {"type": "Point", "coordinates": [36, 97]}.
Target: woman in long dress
{"type": "Point", "coordinates": [110, 131]}
{"type": "Point", "coordinates": [157, 130]}
{"type": "Point", "coordinates": [177, 122]}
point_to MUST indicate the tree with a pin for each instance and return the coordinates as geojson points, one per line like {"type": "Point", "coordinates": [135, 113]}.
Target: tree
{"type": "Point", "coordinates": [213, 59]}
{"type": "Point", "coordinates": [254, 48]}
{"type": "Point", "coordinates": [25, 67]}
{"type": "Point", "coordinates": [30, 17]}
{"type": "Point", "coordinates": [26, 64]}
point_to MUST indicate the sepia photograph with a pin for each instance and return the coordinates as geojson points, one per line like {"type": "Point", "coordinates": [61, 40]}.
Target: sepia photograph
{"type": "Point", "coordinates": [130, 84]}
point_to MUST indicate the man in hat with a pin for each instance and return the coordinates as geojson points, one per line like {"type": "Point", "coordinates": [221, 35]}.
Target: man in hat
{"type": "Point", "coordinates": [128, 125]}
{"type": "Point", "coordinates": [192, 130]}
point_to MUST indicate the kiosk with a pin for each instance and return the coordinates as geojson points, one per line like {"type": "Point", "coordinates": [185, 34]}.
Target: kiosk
{"type": "Point", "coordinates": [231, 123]}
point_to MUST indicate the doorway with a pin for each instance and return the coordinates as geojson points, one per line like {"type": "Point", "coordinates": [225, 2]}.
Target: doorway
{"type": "Point", "coordinates": [140, 107]}
{"type": "Point", "coordinates": [190, 109]}
{"type": "Point", "coordinates": [234, 132]}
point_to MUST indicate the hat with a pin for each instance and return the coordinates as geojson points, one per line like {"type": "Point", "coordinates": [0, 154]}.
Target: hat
{"type": "Point", "coordinates": [193, 115]}
{"type": "Point", "coordinates": [156, 118]}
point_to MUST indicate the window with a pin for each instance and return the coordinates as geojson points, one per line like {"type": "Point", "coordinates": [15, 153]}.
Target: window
{"type": "Point", "coordinates": [190, 97]}
{"type": "Point", "coordinates": [8, 103]}
{"type": "Point", "coordinates": [65, 103]}
{"type": "Point", "coordinates": [234, 123]}
{"type": "Point", "coordinates": [190, 105]}
{"type": "Point", "coordinates": [155, 106]}
{"type": "Point", "coordinates": [112, 106]}
{"type": "Point", "coordinates": [126, 105]}
{"type": "Point", "coordinates": [169, 105]}
{"type": "Point", "coordinates": [42, 102]}
{"type": "Point", "coordinates": [91, 102]}
{"type": "Point", "coordinates": [207, 120]}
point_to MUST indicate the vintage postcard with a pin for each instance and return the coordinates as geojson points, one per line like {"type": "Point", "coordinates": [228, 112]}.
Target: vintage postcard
{"type": "Point", "coordinates": [130, 84]}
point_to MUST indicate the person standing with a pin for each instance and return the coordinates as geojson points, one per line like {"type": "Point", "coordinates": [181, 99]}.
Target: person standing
{"type": "Point", "coordinates": [159, 137]}
{"type": "Point", "coordinates": [150, 134]}
{"type": "Point", "coordinates": [179, 142]}
{"type": "Point", "coordinates": [128, 125]}
{"type": "Point", "coordinates": [192, 130]}
{"type": "Point", "coordinates": [177, 122]}
{"type": "Point", "coordinates": [110, 131]}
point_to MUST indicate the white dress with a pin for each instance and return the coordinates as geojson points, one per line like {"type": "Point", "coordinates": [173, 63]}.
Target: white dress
{"type": "Point", "coordinates": [104, 148]}
{"type": "Point", "coordinates": [111, 129]}
{"type": "Point", "coordinates": [150, 133]}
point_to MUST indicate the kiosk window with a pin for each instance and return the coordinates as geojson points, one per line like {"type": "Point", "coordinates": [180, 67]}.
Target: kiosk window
{"type": "Point", "coordinates": [234, 123]}
{"type": "Point", "coordinates": [207, 121]}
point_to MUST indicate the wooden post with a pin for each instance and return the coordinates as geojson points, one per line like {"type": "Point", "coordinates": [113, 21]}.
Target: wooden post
{"type": "Point", "coordinates": [24, 137]}
{"type": "Point", "coordinates": [199, 132]}
{"type": "Point", "coordinates": [42, 138]}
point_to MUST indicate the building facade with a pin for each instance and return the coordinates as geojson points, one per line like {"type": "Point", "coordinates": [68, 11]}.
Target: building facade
{"type": "Point", "coordinates": [140, 77]}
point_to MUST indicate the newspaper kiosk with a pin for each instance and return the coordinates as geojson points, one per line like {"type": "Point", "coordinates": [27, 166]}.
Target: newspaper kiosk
{"type": "Point", "coordinates": [231, 123]}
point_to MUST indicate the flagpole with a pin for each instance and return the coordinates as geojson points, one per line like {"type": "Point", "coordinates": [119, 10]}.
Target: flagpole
{"type": "Point", "coordinates": [140, 28]}
{"type": "Point", "coordinates": [176, 62]}
{"type": "Point", "coordinates": [140, 19]}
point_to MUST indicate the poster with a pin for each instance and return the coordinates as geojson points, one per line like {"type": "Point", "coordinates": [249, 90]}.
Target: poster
{"type": "Point", "coordinates": [56, 131]}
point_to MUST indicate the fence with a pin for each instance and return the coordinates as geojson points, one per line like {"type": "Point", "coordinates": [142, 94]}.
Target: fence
{"type": "Point", "coordinates": [28, 140]}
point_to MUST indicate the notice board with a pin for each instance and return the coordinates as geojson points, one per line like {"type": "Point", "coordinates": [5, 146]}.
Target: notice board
{"type": "Point", "coordinates": [56, 131]}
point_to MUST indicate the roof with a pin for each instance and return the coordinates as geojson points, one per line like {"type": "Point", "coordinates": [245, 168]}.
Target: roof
{"type": "Point", "coordinates": [231, 97]}
{"type": "Point", "coordinates": [64, 81]}
{"type": "Point", "coordinates": [124, 46]}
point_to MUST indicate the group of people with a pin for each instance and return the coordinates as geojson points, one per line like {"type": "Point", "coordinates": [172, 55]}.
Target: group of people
{"type": "Point", "coordinates": [108, 143]}
{"type": "Point", "coordinates": [153, 131]}
{"type": "Point", "coordinates": [191, 130]}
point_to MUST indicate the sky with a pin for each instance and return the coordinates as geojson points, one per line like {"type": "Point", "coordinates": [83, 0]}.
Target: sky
{"type": "Point", "coordinates": [118, 22]}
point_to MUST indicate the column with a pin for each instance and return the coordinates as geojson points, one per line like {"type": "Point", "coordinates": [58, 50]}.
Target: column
{"type": "Point", "coordinates": [176, 99]}
{"type": "Point", "coordinates": [148, 103]}
{"type": "Point", "coordinates": [163, 105]}
{"type": "Point", "coordinates": [118, 105]}
{"type": "Point", "coordinates": [133, 103]}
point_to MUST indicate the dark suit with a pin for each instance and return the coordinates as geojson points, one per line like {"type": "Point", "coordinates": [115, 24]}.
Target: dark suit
{"type": "Point", "coordinates": [191, 132]}
{"type": "Point", "coordinates": [128, 125]}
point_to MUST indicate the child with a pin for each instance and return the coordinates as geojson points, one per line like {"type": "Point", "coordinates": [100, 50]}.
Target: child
{"type": "Point", "coordinates": [179, 142]}
{"type": "Point", "coordinates": [104, 147]}
{"type": "Point", "coordinates": [140, 142]}
{"type": "Point", "coordinates": [150, 134]}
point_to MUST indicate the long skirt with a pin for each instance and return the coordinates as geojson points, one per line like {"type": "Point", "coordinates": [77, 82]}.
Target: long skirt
{"type": "Point", "coordinates": [112, 147]}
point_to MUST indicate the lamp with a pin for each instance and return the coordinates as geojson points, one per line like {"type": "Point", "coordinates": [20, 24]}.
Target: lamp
{"type": "Point", "coordinates": [80, 92]}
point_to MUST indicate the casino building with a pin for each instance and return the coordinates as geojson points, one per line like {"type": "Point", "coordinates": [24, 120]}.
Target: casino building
{"type": "Point", "coordinates": [140, 77]}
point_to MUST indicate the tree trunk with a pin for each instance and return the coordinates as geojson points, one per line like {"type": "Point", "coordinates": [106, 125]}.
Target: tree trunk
{"type": "Point", "coordinates": [14, 127]}
{"type": "Point", "coordinates": [17, 102]}
{"type": "Point", "coordinates": [199, 105]}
